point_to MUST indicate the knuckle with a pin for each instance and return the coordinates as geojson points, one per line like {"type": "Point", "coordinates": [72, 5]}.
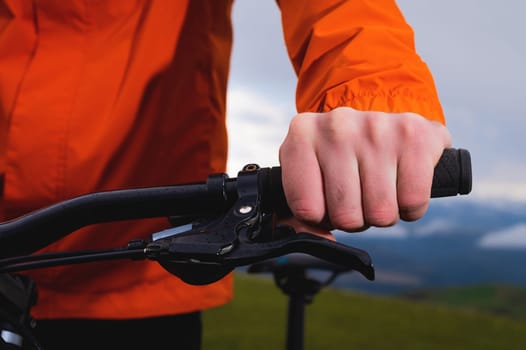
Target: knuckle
{"type": "Point", "coordinates": [347, 221]}
{"type": "Point", "coordinates": [409, 128]}
{"type": "Point", "coordinates": [415, 129]}
{"type": "Point", "coordinates": [304, 211]}
{"type": "Point", "coordinates": [295, 123]}
{"type": "Point", "coordinates": [413, 201]}
{"type": "Point", "coordinates": [330, 126]}
{"type": "Point", "coordinates": [297, 136]}
{"type": "Point", "coordinates": [335, 126]}
{"type": "Point", "coordinates": [377, 127]}
{"type": "Point", "coordinates": [413, 207]}
{"type": "Point", "coordinates": [300, 123]}
{"type": "Point", "coordinates": [381, 217]}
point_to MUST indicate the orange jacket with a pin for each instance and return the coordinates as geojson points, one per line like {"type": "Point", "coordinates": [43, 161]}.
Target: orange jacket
{"type": "Point", "coordinates": [116, 94]}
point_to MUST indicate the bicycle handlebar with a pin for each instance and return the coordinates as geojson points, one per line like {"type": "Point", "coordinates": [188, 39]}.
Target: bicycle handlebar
{"type": "Point", "coordinates": [38, 229]}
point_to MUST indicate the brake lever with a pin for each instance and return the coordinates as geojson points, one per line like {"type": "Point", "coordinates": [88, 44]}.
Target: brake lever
{"type": "Point", "coordinates": [210, 248]}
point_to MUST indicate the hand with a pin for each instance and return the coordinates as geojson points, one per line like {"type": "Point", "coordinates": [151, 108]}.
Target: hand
{"type": "Point", "coordinates": [300, 226]}
{"type": "Point", "coordinates": [348, 169]}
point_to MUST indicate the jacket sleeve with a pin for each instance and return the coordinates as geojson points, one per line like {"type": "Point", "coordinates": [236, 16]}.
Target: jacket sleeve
{"type": "Point", "coordinates": [356, 53]}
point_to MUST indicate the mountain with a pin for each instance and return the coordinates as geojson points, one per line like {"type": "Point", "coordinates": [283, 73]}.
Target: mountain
{"type": "Point", "coordinates": [457, 243]}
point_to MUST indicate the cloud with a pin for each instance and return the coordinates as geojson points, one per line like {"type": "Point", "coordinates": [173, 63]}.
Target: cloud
{"type": "Point", "coordinates": [260, 58]}
{"type": "Point", "coordinates": [434, 227]}
{"type": "Point", "coordinates": [513, 237]}
{"type": "Point", "coordinates": [500, 190]}
{"type": "Point", "coordinates": [477, 53]}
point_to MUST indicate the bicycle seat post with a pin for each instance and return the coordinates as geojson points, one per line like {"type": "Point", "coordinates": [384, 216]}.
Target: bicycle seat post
{"type": "Point", "coordinates": [291, 275]}
{"type": "Point", "coordinates": [300, 290]}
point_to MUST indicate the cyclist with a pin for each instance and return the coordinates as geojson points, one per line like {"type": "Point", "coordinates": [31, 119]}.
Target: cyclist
{"type": "Point", "coordinates": [116, 94]}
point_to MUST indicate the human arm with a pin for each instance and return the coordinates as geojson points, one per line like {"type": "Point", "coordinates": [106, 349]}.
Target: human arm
{"type": "Point", "coordinates": [370, 126]}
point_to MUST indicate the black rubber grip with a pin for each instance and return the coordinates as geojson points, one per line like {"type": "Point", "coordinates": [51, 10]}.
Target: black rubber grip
{"type": "Point", "coordinates": [452, 176]}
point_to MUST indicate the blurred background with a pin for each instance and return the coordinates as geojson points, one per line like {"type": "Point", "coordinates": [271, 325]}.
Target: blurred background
{"type": "Point", "coordinates": [472, 247]}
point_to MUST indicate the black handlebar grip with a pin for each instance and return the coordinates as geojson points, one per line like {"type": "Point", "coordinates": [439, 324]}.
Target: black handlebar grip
{"type": "Point", "coordinates": [452, 176]}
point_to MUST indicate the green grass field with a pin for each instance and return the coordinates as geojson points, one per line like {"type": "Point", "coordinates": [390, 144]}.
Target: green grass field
{"type": "Point", "coordinates": [509, 301]}
{"type": "Point", "coordinates": [256, 319]}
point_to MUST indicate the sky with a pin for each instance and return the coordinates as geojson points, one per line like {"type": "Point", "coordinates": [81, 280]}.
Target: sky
{"type": "Point", "coordinates": [475, 49]}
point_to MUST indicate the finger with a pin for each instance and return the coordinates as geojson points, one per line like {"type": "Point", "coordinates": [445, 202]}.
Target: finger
{"type": "Point", "coordinates": [302, 181]}
{"type": "Point", "coordinates": [415, 173]}
{"type": "Point", "coordinates": [343, 193]}
{"type": "Point", "coordinates": [378, 178]}
{"type": "Point", "coordinates": [415, 176]}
